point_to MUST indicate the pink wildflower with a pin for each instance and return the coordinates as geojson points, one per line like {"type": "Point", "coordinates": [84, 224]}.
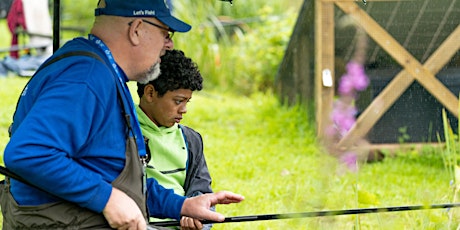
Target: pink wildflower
{"type": "Point", "coordinates": [359, 79]}
{"type": "Point", "coordinates": [346, 86]}
{"type": "Point", "coordinates": [350, 160]}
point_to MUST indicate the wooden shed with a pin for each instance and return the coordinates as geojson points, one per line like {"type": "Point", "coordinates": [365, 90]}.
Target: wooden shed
{"type": "Point", "coordinates": [412, 59]}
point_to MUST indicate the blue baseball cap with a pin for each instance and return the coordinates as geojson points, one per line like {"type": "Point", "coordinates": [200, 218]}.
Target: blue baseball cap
{"type": "Point", "coordinates": [143, 8]}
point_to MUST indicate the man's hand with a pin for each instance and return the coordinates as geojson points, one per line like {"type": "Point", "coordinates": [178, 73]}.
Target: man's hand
{"type": "Point", "coordinates": [198, 207]}
{"type": "Point", "coordinates": [123, 213]}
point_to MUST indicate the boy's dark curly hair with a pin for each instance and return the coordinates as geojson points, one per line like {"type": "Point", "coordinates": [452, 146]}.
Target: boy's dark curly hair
{"type": "Point", "coordinates": [177, 72]}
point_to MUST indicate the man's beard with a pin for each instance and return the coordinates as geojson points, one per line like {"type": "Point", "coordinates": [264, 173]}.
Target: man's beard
{"type": "Point", "coordinates": [151, 74]}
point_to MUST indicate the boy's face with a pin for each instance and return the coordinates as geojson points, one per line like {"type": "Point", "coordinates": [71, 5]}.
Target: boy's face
{"type": "Point", "coordinates": [168, 109]}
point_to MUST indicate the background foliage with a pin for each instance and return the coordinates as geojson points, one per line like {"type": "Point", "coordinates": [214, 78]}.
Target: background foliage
{"type": "Point", "coordinates": [237, 47]}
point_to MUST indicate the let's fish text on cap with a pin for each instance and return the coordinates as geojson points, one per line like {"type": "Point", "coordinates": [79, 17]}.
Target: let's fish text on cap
{"type": "Point", "coordinates": [143, 12]}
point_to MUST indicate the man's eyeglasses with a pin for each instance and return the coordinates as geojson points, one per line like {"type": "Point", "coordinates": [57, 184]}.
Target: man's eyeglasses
{"type": "Point", "coordinates": [170, 32]}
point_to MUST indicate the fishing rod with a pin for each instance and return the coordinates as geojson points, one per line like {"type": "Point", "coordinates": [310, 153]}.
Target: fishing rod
{"type": "Point", "coordinates": [8, 173]}
{"type": "Point", "coordinates": [314, 214]}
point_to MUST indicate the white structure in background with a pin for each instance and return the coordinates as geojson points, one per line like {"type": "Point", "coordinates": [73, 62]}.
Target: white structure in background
{"type": "Point", "coordinates": [39, 26]}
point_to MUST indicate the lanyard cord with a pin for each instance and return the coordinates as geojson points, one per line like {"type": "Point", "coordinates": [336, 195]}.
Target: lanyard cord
{"type": "Point", "coordinates": [126, 99]}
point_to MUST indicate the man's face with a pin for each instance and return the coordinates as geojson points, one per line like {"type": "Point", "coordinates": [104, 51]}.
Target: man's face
{"type": "Point", "coordinates": [151, 74]}
{"type": "Point", "coordinates": [157, 39]}
{"type": "Point", "coordinates": [168, 109]}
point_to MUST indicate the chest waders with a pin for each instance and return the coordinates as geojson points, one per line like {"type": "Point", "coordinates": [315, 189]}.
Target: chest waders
{"type": "Point", "coordinates": [66, 215]}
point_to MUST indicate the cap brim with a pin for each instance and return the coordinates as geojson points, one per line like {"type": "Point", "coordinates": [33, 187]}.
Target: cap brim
{"type": "Point", "coordinates": [175, 24]}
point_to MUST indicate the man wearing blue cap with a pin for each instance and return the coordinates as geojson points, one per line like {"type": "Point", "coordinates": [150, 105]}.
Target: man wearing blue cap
{"type": "Point", "coordinates": [75, 137]}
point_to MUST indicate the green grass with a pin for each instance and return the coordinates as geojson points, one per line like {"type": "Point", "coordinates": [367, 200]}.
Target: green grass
{"type": "Point", "coordinates": [5, 39]}
{"type": "Point", "coordinates": [268, 152]}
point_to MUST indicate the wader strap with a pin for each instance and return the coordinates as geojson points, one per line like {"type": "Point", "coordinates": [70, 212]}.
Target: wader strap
{"type": "Point", "coordinates": [65, 215]}
{"type": "Point", "coordinates": [6, 171]}
{"type": "Point", "coordinates": [49, 62]}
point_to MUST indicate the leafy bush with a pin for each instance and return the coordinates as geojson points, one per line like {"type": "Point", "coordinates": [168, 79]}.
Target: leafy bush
{"type": "Point", "coordinates": [237, 47]}
{"type": "Point", "coordinates": [77, 15]}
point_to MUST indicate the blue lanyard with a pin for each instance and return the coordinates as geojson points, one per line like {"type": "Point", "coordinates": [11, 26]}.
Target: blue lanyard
{"type": "Point", "coordinates": [128, 100]}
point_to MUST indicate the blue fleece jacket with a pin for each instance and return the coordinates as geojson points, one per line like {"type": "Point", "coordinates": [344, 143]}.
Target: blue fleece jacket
{"type": "Point", "coordinates": [69, 137]}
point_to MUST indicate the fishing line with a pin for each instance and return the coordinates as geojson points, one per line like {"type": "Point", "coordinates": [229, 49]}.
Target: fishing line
{"type": "Point", "coordinates": [315, 214]}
